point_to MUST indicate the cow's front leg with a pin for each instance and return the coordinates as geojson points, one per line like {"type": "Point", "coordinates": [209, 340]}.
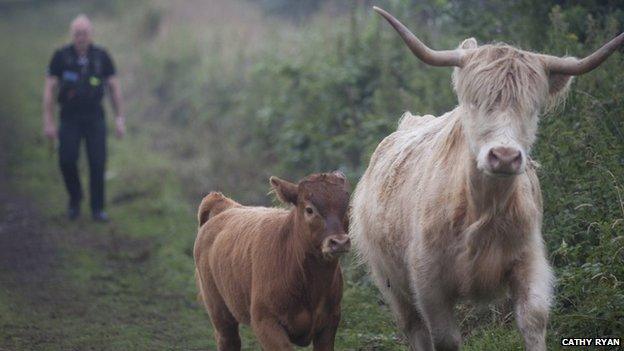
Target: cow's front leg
{"type": "Point", "coordinates": [407, 314]}
{"type": "Point", "coordinates": [438, 311]}
{"type": "Point", "coordinates": [434, 300]}
{"type": "Point", "coordinates": [531, 288]}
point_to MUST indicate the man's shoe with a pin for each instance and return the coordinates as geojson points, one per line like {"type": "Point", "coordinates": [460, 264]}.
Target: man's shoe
{"type": "Point", "coordinates": [73, 213]}
{"type": "Point", "coordinates": [100, 216]}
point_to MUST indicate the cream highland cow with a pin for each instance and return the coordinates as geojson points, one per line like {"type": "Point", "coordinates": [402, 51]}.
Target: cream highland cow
{"type": "Point", "coordinates": [450, 208]}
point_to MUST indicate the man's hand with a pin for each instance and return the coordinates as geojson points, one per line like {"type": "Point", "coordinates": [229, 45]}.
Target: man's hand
{"type": "Point", "coordinates": [49, 130]}
{"type": "Point", "coordinates": [115, 96]}
{"type": "Point", "coordinates": [120, 126]}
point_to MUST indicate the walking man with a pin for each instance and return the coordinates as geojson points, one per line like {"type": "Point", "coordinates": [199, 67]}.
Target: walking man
{"type": "Point", "coordinates": [79, 74]}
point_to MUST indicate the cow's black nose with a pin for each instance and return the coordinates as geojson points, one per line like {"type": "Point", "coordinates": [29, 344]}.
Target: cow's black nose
{"type": "Point", "coordinates": [504, 160]}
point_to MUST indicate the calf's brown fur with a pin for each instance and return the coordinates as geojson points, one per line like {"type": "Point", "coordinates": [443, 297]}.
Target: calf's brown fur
{"type": "Point", "coordinates": [274, 269]}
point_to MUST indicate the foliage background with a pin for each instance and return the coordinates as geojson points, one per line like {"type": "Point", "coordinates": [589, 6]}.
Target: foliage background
{"type": "Point", "coordinates": [223, 94]}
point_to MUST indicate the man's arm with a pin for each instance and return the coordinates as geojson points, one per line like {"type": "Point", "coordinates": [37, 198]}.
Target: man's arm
{"type": "Point", "coordinates": [49, 128]}
{"type": "Point", "coordinates": [116, 102]}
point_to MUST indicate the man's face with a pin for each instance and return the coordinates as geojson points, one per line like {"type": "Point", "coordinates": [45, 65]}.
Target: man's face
{"type": "Point", "coordinates": [81, 36]}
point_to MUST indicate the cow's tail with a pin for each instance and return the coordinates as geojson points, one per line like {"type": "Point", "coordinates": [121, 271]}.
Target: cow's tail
{"type": "Point", "coordinates": [198, 283]}
{"type": "Point", "coordinates": [213, 204]}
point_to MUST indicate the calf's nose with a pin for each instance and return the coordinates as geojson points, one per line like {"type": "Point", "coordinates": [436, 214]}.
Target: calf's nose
{"type": "Point", "coordinates": [339, 243]}
{"type": "Point", "coordinates": [505, 160]}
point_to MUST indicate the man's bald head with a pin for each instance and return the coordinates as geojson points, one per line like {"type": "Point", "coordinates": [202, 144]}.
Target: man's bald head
{"type": "Point", "coordinates": [81, 31]}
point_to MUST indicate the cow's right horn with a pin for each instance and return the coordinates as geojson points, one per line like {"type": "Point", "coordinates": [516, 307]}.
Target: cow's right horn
{"type": "Point", "coordinates": [432, 57]}
{"type": "Point", "coordinates": [574, 67]}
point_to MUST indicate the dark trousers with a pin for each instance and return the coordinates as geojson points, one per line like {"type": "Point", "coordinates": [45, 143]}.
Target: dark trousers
{"type": "Point", "coordinates": [91, 128]}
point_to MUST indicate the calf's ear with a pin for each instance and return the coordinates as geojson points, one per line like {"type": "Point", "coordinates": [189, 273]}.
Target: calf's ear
{"type": "Point", "coordinates": [342, 177]}
{"type": "Point", "coordinates": [285, 190]}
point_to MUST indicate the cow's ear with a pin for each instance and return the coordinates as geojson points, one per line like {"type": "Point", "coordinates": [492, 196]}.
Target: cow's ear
{"type": "Point", "coordinates": [558, 85]}
{"type": "Point", "coordinates": [285, 190]}
{"type": "Point", "coordinates": [470, 43]}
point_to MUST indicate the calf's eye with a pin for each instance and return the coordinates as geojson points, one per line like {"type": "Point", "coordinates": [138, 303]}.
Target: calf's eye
{"type": "Point", "coordinates": [309, 210]}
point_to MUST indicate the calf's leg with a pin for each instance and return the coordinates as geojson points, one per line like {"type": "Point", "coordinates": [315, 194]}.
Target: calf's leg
{"type": "Point", "coordinates": [270, 333]}
{"type": "Point", "coordinates": [324, 340]}
{"type": "Point", "coordinates": [226, 333]}
{"type": "Point", "coordinates": [224, 324]}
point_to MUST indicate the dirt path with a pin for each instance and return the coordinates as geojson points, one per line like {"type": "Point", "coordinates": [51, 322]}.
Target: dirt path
{"type": "Point", "coordinates": [28, 253]}
{"type": "Point", "coordinates": [32, 284]}
{"type": "Point", "coordinates": [85, 286]}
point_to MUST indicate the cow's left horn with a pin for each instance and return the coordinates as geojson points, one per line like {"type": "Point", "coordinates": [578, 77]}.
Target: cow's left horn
{"type": "Point", "coordinates": [574, 67]}
{"type": "Point", "coordinates": [427, 55]}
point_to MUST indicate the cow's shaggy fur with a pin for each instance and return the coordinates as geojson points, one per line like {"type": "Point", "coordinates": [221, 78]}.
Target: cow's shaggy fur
{"type": "Point", "coordinates": [436, 227]}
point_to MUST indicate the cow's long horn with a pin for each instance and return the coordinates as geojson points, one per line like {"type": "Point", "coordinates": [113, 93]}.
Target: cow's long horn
{"type": "Point", "coordinates": [427, 55]}
{"type": "Point", "coordinates": [574, 67]}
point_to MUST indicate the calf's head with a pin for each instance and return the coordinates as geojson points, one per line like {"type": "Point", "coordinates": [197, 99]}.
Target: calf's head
{"type": "Point", "coordinates": [321, 202]}
{"type": "Point", "coordinates": [502, 90]}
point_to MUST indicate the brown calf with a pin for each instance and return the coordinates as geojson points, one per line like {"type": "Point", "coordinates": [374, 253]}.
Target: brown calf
{"type": "Point", "coordinates": [274, 269]}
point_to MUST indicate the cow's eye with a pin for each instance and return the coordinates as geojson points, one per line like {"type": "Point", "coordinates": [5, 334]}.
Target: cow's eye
{"type": "Point", "coordinates": [309, 210]}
